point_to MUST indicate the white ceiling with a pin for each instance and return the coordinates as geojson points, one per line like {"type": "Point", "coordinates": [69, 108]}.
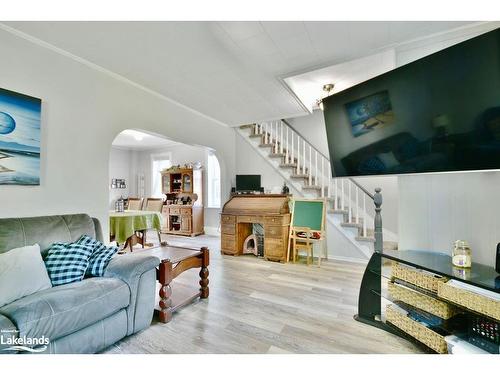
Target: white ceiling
{"type": "Point", "coordinates": [308, 86]}
{"type": "Point", "coordinates": [230, 71]}
{"type": "Point", "coordinates": [141, 141]}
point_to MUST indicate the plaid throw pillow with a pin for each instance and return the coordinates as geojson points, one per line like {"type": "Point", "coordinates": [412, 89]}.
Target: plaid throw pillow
{"type": "Point", "coordinates": [101, 255]}
{"type": "Point", "coordinates": [67, 262]}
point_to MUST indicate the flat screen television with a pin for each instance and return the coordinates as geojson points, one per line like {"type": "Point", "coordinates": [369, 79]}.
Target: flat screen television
{"type": "Point", "coordinates": [247, 182]}
{"type": "Point", "coordinates": [437, 114]}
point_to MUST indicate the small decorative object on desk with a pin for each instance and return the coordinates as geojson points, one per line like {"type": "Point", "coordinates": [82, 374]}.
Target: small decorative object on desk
{"type": "Point", "coordinates": [462, 254]}
{"type": "Point", "coordinates": [285, 189]}
{"type": "Point", "coordinates": [120, 204]}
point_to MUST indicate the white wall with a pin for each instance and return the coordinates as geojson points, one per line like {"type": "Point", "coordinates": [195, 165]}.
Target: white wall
{"type": "Point", "coordinates": [119, 167]}
{"type": "Point", "coordinates": [83, 109]}
{"type": "Point", "coordinates": [436, 210]}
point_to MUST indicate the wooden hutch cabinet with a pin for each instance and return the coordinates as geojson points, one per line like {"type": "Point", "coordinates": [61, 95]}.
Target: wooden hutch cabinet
{"type": "Point", "coordinates": [183, 208]}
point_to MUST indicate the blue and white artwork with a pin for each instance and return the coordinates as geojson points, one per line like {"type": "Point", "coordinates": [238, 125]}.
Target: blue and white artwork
{"type": "Point", "coordinates": [19, 139]}
{"type": "Point", "coordinates": [370, 113]}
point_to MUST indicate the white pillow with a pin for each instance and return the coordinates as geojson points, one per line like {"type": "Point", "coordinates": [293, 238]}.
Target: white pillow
{"type": "Point", "coordinates": [22, 272]}
{"type": "Point", "coordinates": [388, 159]}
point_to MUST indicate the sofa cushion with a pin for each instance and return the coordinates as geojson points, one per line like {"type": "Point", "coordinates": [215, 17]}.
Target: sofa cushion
{"type": "Point", "coordinates": [101, 255]}
{"type": "Point", "coordinates": [65, 309]}
{"type": "Point", "coordinates": [67, 262]}
{"type": "Point", "coordinates": [22, 272]}
{"type": "Point", "coordinates": [45, 230]}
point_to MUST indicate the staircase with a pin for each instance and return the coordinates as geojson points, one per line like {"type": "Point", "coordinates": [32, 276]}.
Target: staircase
{"type": "Point", "coordinates": [308, 172]}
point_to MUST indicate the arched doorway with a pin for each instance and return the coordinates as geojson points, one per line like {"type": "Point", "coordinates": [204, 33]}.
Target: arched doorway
{"type": "Point", "coordinates": [136, 160]}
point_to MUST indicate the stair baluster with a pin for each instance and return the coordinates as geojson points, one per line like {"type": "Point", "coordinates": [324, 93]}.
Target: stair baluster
{"type": "Point", "coordinates": [364, 215]}
{"type": "Point", "coordinates": [322, 177]}
{"type": "Point", "coordinates": [281, 138]}
{"type": "Point", "coordinates": [357, 204]}
{"type": "Point", "coordinates": [349, 201]}
{"type": "Point", "coordinates": [287, 147]}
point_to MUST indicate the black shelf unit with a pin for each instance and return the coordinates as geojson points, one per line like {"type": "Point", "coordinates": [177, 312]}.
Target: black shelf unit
{"type": "Point", "coordinates": [371, 294]}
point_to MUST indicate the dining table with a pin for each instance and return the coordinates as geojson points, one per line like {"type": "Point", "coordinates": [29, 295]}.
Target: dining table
{"type": "Point", "coordinates": [129, 227]}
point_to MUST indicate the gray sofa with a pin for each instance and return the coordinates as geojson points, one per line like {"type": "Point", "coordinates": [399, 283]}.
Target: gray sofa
{"type": "Point", "coordinates": [86, 316]}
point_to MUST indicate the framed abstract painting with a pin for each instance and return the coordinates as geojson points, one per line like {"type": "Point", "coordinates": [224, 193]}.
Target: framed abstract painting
{"type": "Point", "coordinates": [19, 138]}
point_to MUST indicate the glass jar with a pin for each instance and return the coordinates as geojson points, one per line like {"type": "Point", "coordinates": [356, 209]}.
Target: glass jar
{"type": "Point", "coordinates": [462, 254]}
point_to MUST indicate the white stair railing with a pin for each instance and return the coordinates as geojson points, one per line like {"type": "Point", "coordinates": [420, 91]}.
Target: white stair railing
{"type": "Point", "coordinates": [347, 195]}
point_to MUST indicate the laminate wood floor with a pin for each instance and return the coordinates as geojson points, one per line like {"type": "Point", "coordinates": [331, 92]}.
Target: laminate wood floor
{"type": "Point", "coordinates": [257, 306]}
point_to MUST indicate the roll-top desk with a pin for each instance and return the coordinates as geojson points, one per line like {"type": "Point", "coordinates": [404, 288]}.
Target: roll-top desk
{"type": "Point", "coordinates": [242, 211]}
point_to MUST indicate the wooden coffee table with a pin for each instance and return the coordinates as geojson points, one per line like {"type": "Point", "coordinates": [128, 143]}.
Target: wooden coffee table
{"type": "Point", "coordinates": [174, 261]}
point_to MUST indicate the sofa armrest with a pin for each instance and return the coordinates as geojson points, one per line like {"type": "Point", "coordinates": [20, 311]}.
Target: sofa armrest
{"type": "Point", "coordinates": [8, 331]}
{"type": "Point", "coordinates": [139, 273]}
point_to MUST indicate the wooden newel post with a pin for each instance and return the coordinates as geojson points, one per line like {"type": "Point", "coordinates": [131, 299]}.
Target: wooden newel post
{"type": "Point", "coordinates": [379, 241]}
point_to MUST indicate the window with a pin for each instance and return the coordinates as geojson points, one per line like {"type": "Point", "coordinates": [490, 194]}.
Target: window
{"type": "Point", "coordinates": [213, 181]}
{"type": "Point", "coordinates": [158, 166]}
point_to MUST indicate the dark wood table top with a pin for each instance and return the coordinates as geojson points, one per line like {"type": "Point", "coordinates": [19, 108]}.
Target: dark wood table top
{"type": "Point", "coordinates": [175, 254]}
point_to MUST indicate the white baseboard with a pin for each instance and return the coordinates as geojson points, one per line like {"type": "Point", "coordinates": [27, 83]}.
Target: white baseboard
{"type": "Point", "coordinates": [212, 231]}
{"type": "Point", "coordinates": [347, 259]}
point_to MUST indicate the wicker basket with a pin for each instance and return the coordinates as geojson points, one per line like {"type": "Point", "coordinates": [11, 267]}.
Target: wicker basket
{"type": "Point", "coordinates": [470, 300]}
{"type": "Point", "coordinates": [421, 301]}
{"type": "Point", "coordinates": [423, 334]}
{"type": "Point", "coordinates": [417, 277]}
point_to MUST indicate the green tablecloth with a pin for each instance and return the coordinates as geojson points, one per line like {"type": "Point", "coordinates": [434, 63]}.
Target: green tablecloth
{"type": "Point", "coordinates": [123, 225]}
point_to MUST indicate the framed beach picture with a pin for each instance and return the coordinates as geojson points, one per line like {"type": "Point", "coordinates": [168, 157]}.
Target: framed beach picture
{"type": "Point", "coordinates": [370, 113]}
{"type": "Point", "coordinates": [19, 138]}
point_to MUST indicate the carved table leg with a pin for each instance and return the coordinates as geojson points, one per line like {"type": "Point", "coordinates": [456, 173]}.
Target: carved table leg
{"type": "Point", "coordinates": [205, 260]}
{"type": "Point", "coordinates": [165, 278]}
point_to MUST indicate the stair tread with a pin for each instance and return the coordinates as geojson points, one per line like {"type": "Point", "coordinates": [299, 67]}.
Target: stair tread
{"type": "Point", "coordinates": [366, 239]}
{"type": "Point", "coordinates": [256, 135]}
{"type": "Point", "coordinates": [312, 187]}
{"type": "Point", "coordinates": [338, 211]}
{"type": "Point", "coordinates": [299, 176]}
{"type": "Point", "coordinates": [266, 145]}
{"type": "Point", "coordinates": [288, 165]}
{"type": "Point", "coordinates": [352, 225]}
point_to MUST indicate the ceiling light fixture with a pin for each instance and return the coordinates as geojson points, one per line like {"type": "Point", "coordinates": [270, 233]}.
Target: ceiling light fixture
{"type": "Point", "coordinates": [326, 93]}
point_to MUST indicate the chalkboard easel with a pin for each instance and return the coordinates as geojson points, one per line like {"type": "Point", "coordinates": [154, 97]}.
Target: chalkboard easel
{"type": "Point", "coordinates": [311, 214]}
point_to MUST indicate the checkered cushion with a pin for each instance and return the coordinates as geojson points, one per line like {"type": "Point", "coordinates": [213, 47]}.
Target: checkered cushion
{"type": "Point", "coordinates": [101, 255]}
{"type": "Point", "coordinates": [67, 262]}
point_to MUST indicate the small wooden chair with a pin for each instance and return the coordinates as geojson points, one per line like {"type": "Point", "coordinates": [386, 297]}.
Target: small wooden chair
{"type": "Point", "coordinates": [134, 204]}
{"type": "Point", "coordinates": [302, 243]}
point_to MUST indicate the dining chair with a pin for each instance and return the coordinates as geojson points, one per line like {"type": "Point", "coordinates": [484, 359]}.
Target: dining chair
{"type": "Point", "coordinates": [135, 204]}
{"type": "Point", "coordinates": [153, 204]}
